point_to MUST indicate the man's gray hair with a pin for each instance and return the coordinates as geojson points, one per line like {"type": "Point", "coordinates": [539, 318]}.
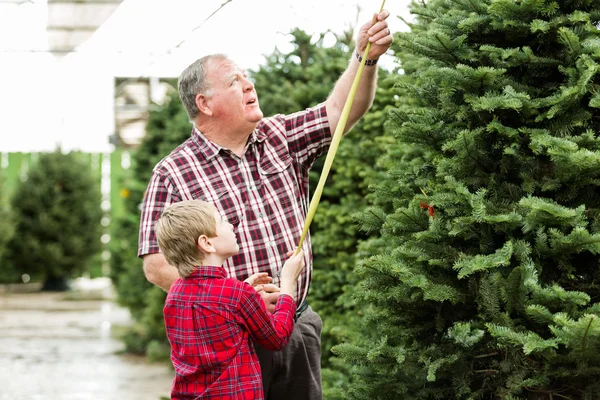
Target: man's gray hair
{"type": "Point", "coordinates": [192, 82]}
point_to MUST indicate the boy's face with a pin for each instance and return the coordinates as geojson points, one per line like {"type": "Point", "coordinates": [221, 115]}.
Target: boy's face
{"type": "Point", "coordinates": [225, 242]}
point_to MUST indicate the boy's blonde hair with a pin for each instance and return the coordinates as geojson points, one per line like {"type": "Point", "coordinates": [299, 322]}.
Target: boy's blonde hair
{"type": "Point", "coordinates": [178, 229]}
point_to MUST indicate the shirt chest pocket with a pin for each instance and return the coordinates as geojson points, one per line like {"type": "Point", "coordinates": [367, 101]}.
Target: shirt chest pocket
{"type": "Point", "coordinates": [227, 200]}
{"type": "Point", "coordinates": [279, 186]}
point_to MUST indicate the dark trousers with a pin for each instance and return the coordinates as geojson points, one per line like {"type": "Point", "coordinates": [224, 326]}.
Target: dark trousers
{"type": "Point", "coordinates": [294, 373]}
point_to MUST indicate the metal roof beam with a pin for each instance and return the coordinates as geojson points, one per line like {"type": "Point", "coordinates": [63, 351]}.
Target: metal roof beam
{"type": "Point", "coordinates": [68, 28]}
{"type": "Point", "coordinates": [85, 1]}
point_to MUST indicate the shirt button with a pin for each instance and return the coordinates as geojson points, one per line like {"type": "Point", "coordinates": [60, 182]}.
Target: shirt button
{"type": "Point", "coordinates": [260, 215]}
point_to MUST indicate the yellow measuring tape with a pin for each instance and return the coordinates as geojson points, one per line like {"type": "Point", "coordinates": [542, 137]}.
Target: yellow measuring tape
{"type": "Point", "coordinates": [335, 141]}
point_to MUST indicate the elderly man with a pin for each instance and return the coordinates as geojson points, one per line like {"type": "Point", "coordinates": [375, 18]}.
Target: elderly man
{"type": "Point", "coordinates": [255, 170]}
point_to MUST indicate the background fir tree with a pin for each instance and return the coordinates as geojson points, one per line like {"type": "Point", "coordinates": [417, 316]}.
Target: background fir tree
{"type": "Point", "coordinates": [335, 236]}
{"type": "Point", "coordinates": [291, 82]}
{"type": "Point", "coordinates": [57, 212]}
{"type": "Point", "coordinates": [7, 272]}
{"type": "Point", "coordinates": [167, 127]}
{"type": "Point", "coordinates": [482, 280]}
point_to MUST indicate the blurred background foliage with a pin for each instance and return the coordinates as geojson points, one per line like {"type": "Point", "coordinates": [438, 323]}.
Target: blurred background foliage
{"type": "Point", "coordinates": [55, 215]}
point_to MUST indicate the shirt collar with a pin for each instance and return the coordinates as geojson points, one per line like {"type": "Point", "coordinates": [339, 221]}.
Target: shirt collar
{"type": "Point", "coordinates": [209, 271]}
{"type": "Point", "coordinates": [210, 149]}
{"type": "Point", "coordinates": [257, 136]}
{"type": "Point", "coordinates": [206, 147]}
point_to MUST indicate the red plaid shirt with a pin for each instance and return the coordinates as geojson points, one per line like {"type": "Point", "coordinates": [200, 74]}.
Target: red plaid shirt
{"type": "Point", "coordinates": [264, 194]}
{"type": "Point", "coordinates": [210, 319]}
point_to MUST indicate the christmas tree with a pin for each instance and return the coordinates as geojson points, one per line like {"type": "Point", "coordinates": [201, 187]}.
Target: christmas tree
{"type": "Point", "coordinates": [57, 213]}
{"type": "Point", "coordinates": [8, 273]}
{"type": "Point", "coordinates": [482, 277]}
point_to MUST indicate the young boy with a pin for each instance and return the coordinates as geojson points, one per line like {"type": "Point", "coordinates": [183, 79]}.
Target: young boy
{"type": "Point", "coordinates": [210, 319]}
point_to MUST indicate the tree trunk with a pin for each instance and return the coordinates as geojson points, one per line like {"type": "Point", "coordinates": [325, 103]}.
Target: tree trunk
{"type": "Point", "coordinates": [56, 284]}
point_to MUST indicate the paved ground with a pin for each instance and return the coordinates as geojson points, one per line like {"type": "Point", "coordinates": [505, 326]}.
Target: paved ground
{"type": "Point", "coordinates": [57, 349]}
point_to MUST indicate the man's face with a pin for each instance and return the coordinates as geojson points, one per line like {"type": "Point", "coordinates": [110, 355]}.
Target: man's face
{"type": "Point", "coordinates": [234, 100]}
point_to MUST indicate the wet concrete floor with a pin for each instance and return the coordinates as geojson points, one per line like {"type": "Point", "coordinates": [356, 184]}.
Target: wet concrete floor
{"type": "Point", "coordinates": [57, 349]}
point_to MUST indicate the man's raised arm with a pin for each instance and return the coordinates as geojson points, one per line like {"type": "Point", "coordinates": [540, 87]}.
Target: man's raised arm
{"type": "Point", "coordinates": [377, 32]}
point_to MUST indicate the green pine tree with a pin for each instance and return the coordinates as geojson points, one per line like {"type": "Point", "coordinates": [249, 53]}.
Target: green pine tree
{"type": "Point", "coordinates": [167, 127]}
{"type": "Point", "coordinates": [481, 280]}
{"type": "Point", "coordinates": [57, 212]}
{"type": "Point", "coordinates": [7, 272]}
{"type": "Point", "coordinates": [291, 82]}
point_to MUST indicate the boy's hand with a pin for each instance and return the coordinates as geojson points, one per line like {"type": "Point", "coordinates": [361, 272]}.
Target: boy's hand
{"type": "Point", "coordinates": [291, 271]}
{"type": "Point", "coordinates": [259, 279]}
{"type": "Point", "coordinates": [269, 293]}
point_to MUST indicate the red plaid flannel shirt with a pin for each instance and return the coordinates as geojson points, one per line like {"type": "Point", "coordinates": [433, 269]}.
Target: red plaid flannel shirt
{"type": "Point", "coordinates": [210, 319]}
{"type": "Point", "coordinates": [264, 194]}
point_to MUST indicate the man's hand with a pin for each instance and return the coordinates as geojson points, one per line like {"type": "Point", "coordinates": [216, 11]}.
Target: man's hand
{"type": "Point", "coordinates": [377, 32]}
{"type": "Point", "coordinates": [269, 293]}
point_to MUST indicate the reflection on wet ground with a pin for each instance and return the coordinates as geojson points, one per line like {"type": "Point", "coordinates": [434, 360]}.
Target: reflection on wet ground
{"type": "Point", "coordinates": [57, 349]}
